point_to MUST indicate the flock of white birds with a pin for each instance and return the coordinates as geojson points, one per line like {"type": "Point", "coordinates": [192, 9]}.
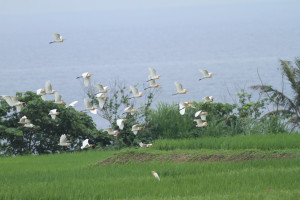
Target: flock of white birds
{"type": "Point", "coordinates": [100, 96]}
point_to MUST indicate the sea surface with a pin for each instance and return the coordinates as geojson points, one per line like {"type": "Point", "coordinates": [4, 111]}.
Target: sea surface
{"type": "Point", "coordinates": [235, 42]}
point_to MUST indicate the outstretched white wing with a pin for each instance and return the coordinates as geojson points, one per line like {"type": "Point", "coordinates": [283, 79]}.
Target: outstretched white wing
{"type": "Point", "coordinates": [87, 104]}
{"type": "Point", "coordinates": [120, 123]}
{"type": "Point", "coordinates": [100, 87]}
{"type": "Point", "coordinates": [63, 139]}
{"type": "Point", "coordinates": [152, 72]}
{"type": "Point", "coordinates": [198, 113]}
{"type": "Point", "coordinates": [56, 36]}
{"type": "Point", "coordinates": [73, 104]}
{"type": "Point", "coordinates": [178, 86]}
{"type": "Point", "coordinates": [57, 97]}
{"type": "Point", "coordinates": [48, 87]}
{"type": "Point", "coordinates": [8, 100]}
{"type": "Point", "coordinates": [204, 72]}
{"type": "Point", "coordinates": [134, 90]}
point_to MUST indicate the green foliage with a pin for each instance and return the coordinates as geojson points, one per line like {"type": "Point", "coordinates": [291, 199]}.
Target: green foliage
{"type": "Point", "coordinates": [44, 136]}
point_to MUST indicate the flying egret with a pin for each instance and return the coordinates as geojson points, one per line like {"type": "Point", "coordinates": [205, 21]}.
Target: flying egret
{"type": "Point", "coordinates": [130, 110]}
{"type": "Point", "coordinates": [101, 88]}
{"type": "Point", "coordinates": [155, 175]}
{"type": "Point", "coordinates": [58, 99]}
{"type": "Point", "coordinates": [48, 87]}
{"type": "Point", "coordinates": [179, 88]}
{"type": "Point", "coordinates": [205, 74]}
{"type": "Point", "coordinates": [101, 99]}
{"type": "Point", "coordinates": [135, 129]}
{"type": "Point", "coordinates": [202, 115]}
{"type": "Point", "coordinates": [57, 38]}
{"type": "Point", "coordinates": [120, 123]}
{"type": "Point", "coordinates": [86, 78]}
{"type": "Point", "coordinates": [72, 104]}
{"type": "Point", "coordinates": [142, 145]}
{"type": "Point", "coordinates": [42, 93]}
{"type": "Point", "coordinates": [28, 125]}
{"type": "Point", "coordinates": [23, 120]}
{"type": "Point", "coordinates": [184, 105]}
{"type": "Point", "coordinates": [110, 131]}
{"type": "Point", "coordinates": [152, 84]}
{"type": "Point", "coordinates": [135, 92]}
{"type": "Point", "coordinates": [13, 102]}
{"type": "Point", "coordinates": [85, 144]}
{"type": "Point", "coordinates": [88, 106]}
{"type": "Point", "coordinates": [152, 75]}
{"type": "Point", "coordinates": [200, 123]}
{"type": "Point", "coordinates": [53, 113]}
{"type": "Point", "coordinates": [63, 141]}
{"type": "Point", "coordinates": [208, 99]}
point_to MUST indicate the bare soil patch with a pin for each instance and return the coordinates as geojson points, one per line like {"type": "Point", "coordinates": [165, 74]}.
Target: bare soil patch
{"type": "Point", "coordinates": [128, 157]}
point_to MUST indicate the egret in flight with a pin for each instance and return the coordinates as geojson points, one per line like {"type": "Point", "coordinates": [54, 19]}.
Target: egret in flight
{"type": "Point", "coordinates": [57, 38]}
{"type": "Point", "coordinates": [88, 106]}
{"type": "Point", "coordinates": [110, 131]}
{"type": "Point", "coordinates": [120, 123]}
{"type": "Point", "coordinates": [48, 88]}
{"type": "Point", "coordinates": [72, 104]}
{"type": "Point", "coordinates": [101, 88]}
{"type": "Point", "coordinates": [42, 93]}
{"type": "Point", "coordinates": [152, 75]}
{"type": "Point", "coordinates": [208, 99]}
{"type": "Point", "coordinates": [205, 74]}
{"type": "Point", "coordinates": [200, 123]}
{"type": "Point", "coordinates": [142, 145]}
{"type": "Point", "coordinates": [85, 144]}
{"type": "Point", "coordinates": [179, 88]}
{"type": "Point", "coordinates": [184, 105]}
{"type": "Point", "coordinates": [101, 99]}
{"type": "Point", "coordinates": [152, 84]}
{"type": "Point", "coordinates": [86, 78]}
{"type": "Point", "coordinates": [14, 102]}
{"type": "Point", "coordinates": [58, 99]}
{"type": "Point", "coordinates": [135, 92]}
{"type": "Point", "coordinates": [63, 141]}
{"type": "Point", "coordinates": [53, 113]}
{"type": "Point", "coordinates": [130, 110]}
{"type": "Point", "coordinates": [202, 115]}
{"type": "Point", "coordinates": [135, 128]}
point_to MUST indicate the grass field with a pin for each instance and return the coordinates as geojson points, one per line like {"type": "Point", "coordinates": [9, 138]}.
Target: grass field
{"type": "Point", "coordinates": [77, 176]}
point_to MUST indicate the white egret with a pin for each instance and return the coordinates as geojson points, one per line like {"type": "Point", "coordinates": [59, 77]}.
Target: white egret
{"type": "Point", "coordinates": [72, 104]}
{"type": "Point", "coordinates": [85, 144]}
{"type": "Point", "coordinates": [152, 75]}
{"type": "Point", "coordinates": [110, 131]}
{"type": "Point", "coordinates": [155, 175]}
{"type": "Point", "coordinates": [200, 123]}
{"type": "Point", "coordinates": [42, 93]}
{"type": "Point", "coordinates": [184, 105]}
{"type": "Point", "coordinates": [142, 145]}
{"type": "Point", "coordinates": [208, 99]}
{"type": "Point", "coordinates": [53, 113]}
{"type": "Point", "coordinates": [205, 74]}
{"type": "Point", "coordinates": [63, 141]}
{"type": "Point", "coordinates": [23, 120]}
{"type": "Point", "coordinates": [120, 123]}
{"type": "Point", "coordinates": [179, 88]}
{"type": "Point", "coordinates": [101, 88]}
{"type": "Point", "coordinates": [13, 101]}
{"type": "Point", "coordinates": [202, 115]}
{"type": "Point", "coordinates": [152, 84]}
{"type": "Point", "coordinates": [101, 99]}
{"type": "Point", "coordinates": [135, 128]}
{"type": "Point", "coordinates": [130, 110]}
{"type": "Point", "coordinates": [86, 78]}
{"type": "Point", "coordinates": [135, 92]}
{"type": "Point", "coordinates": [57, 38]}
{"type": "Point", "coordinates": [58, 99]}
{"type": "Point", "coordinates": [28, 125]}
{"type": "Point", "coordinates": [89, 106]}
{"type": "Point", "coordinates": [48, 88]}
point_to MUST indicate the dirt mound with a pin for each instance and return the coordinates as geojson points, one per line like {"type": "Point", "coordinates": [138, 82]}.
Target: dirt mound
{"type": "Point", "coordinates": [128, 157]}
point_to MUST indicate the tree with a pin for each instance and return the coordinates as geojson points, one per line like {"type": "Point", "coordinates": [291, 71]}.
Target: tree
{"type": "Point", "coordinates": [285, 105]}
{"type": "Point", "coordinates": [44, 136]}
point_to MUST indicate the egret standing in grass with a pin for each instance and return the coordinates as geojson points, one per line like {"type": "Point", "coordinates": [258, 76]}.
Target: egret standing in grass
{"type": "Point", "coordinates": [57, 38]}
{"type": "Point", "coordinates": [179, 88]}
{"type": "Point", "coordinates": [86, 78]}
{"type": "Point", "coordinates": [155, 175]}
{"type": "Point", "coordinates": [205, 74]}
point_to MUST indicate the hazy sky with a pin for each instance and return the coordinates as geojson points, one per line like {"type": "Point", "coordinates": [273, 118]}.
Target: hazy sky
{"type": "Point", "coordinates": [47, 6]}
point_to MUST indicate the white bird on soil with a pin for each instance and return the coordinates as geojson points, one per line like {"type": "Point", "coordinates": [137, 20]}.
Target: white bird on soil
{"type": "Point", "coordinates": [184, 105]}
{"type": "Point", "coordinates": [152, 75]}
{"type": "Point", "coordinates": [135, 92]}
{"type": "Point", "coordinates": [155, 175]}
{"type": "Point", "coordinates": [57, 38]}
{"type": "Point", "coordinates": [48, 88]}
{"type": "Point", "coordinates": [200, 123]}
{"type": "Point", "coordinates": [152, 84]}
{"type": "Point", "coordinates": [42, 93]}
{"type": "Point", "coordinates": [142, 145]}
{"type": "Point", "coordinates": [179, 88]}
{"type": "Point", "coordinates": [101, 99]}
{"type": "Point", "coordinates": [202, 115]}
{"type": "Point", "coordinates": [130, 110]}
{"type": "Point", "coordinates": [101, 88]}
{"type": "Point", "coordinates": [120, 123]}
{"type": "Point", "coordinates": [89, 106]}
{"type": "Point", "coordinates": [85, 144]}
{"type": "Point", "coordinates": [110, 131]}
{"type": "Point", "coordinates": [208, 99]}
{"type": "Point", "coordinates": [205, 74]}
{"type": "Point", "coordinates": [53, 113]}
{"type": "Point", "coordinates": [72, 104]}
{"type": "Point", "coordinates": [135, 128]}
{"type": "Point", "coordinates": [14, 102]}
{"type": "Point", "coordinates": [58, 99]}
{"type": "Point", "coordinates": [86, 78]}
{"type": "Point", "coordinates": [63, 141]}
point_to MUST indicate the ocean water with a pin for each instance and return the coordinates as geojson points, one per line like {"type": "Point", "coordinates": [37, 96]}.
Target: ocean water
{"type": "Point", "coordinates": [233, 41]}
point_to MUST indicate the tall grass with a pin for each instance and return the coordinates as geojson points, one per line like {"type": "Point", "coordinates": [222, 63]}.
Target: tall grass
{"type": "Point", "coordinates": [262, 142]}
{"type": "Point", "coordinates": [72, 176]}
